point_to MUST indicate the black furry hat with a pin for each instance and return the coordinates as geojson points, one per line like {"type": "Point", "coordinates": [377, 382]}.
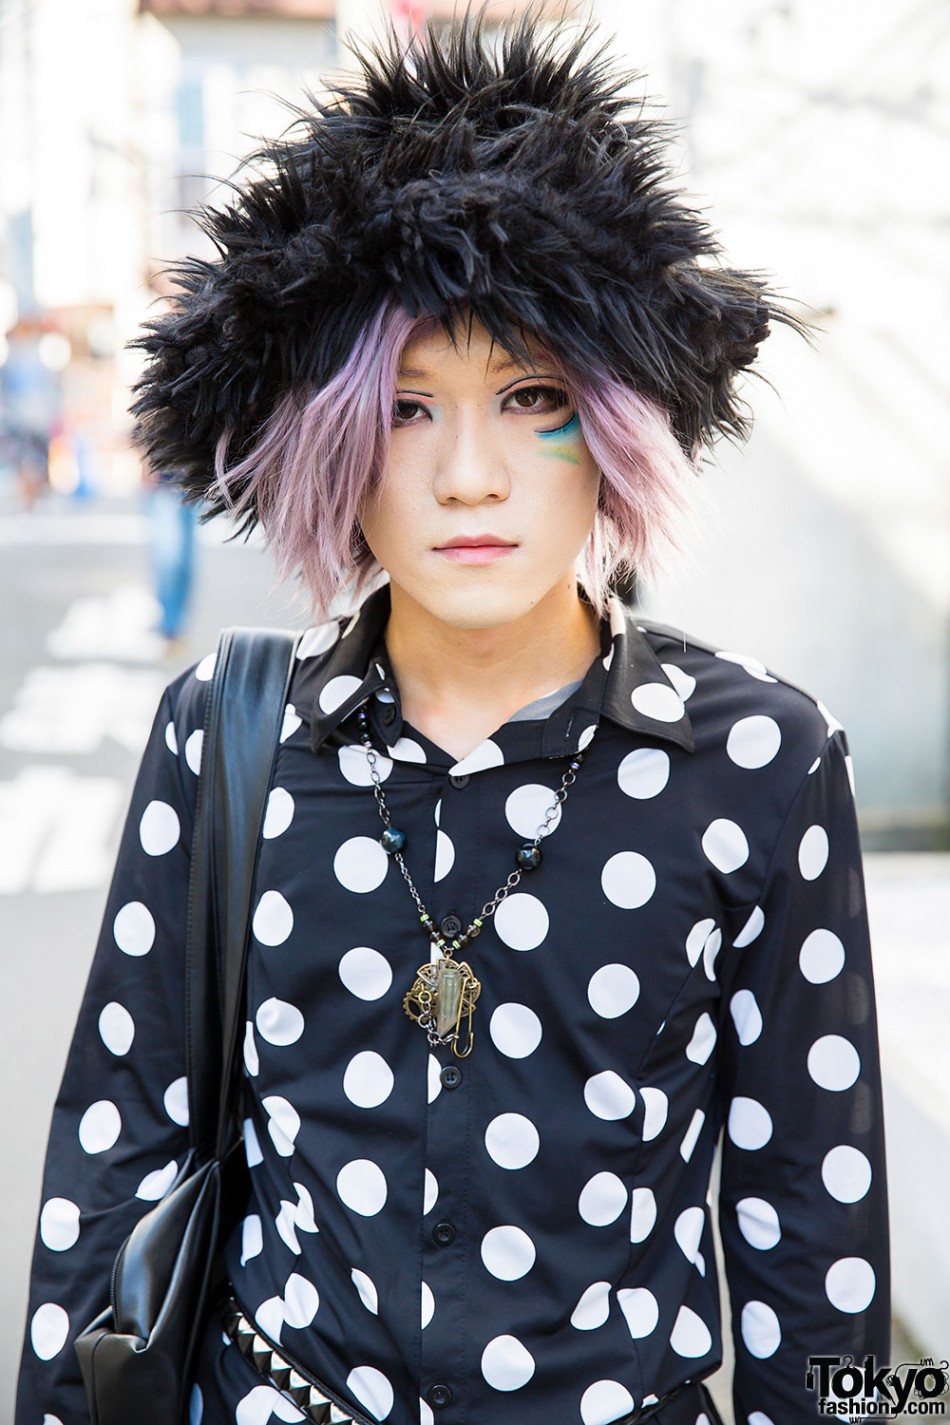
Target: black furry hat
{"type": "Point", "coordinates": [516, 181]}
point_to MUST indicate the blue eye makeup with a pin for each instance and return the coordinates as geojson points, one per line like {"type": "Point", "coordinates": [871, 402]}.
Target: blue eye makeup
{"type": "Point", "coordinates": [571, 428]}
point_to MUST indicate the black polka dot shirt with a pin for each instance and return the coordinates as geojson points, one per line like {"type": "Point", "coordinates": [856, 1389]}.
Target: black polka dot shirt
{"type": "Point", "coordinates": [521, 1237]}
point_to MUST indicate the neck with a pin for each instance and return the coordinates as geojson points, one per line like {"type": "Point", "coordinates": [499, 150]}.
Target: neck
{"type": "Point", "coordinates": [458, 685]}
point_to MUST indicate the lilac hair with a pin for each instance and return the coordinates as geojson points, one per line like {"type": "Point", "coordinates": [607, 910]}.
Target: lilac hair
{"type": "Point", "coordinates": [318, 457]}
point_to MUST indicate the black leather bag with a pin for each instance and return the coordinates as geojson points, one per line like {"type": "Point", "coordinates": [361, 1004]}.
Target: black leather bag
{"type": "Point", "coordinates": [136, 1358]}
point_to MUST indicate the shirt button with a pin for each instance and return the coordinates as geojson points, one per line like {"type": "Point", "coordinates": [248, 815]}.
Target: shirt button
{"type": "Point", "coordinates": [451, 1077]}
{"type": "Point", "coordinates": [439, 1395]}
{"type": "Point", "coordinates": [389, 714]}
{"type": "Point", "coordinates": [451, 925]}
{"type": "Point", "coordinates": [443, 1234]}
{"type": "Point", "coordinates": [460, 781]}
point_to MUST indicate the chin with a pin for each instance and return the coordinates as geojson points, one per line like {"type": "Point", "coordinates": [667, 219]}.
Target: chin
{"type": "Point", "coordinates": [482, 608]}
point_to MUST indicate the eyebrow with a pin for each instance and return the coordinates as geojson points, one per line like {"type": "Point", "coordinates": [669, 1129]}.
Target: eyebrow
{"type": "Point", "coordinates": [413, 373]}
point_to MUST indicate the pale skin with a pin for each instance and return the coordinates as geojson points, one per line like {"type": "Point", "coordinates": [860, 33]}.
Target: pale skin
{"type": "Point", "coordinates": [485, 449]}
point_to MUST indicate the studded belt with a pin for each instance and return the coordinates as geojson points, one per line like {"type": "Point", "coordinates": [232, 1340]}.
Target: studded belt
{"type": "Point", "coordinates": [311, 1396]}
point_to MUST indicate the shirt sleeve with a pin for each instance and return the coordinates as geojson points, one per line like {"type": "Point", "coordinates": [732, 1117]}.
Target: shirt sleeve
{"type": "Point", "coordinates": [120, 1124]}
{"type": "Point", "coordinates": [803, 1206]}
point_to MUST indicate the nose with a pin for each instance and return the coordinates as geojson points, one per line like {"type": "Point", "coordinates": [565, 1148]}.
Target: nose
{"type": "Point", "coordinates": [471, 466]}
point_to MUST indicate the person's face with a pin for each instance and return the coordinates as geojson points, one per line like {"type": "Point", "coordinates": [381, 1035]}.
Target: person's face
{"type": "Point", "coordinates": [489, 492]}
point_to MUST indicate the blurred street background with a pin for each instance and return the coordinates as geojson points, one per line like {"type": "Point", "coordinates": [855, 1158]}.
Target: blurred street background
{"type": "Point", "coordinates": [817, 132]}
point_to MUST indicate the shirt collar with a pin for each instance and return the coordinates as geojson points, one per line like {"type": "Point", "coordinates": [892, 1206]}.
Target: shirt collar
{"type": "Point", "coordinates": [625, 683]}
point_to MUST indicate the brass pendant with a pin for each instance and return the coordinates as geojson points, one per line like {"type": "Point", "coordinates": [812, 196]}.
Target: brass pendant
{"type": "Point", "coordinates": [442, 995]}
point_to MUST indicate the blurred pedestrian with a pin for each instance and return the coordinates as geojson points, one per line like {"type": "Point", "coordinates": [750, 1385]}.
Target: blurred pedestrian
{"type": "Point", "coordinates": [172, 528]}
{"type": "Point", "coordinates": [30, 407]}
{"type": "Point", "coordinates": [546, 897]}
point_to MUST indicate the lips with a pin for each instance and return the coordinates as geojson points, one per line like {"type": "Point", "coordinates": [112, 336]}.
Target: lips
{"type": "Point", "coordinates": [477, 541]}
{"type": "Point", "coordinates": [476, 549]}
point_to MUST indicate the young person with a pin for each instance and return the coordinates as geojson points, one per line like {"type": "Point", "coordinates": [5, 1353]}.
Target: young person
{"type": "Point", "coordinates": [547, 897]}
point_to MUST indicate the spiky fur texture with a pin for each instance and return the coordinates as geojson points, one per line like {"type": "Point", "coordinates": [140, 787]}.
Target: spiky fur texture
{"type": "Point", "coordinates": [516, 183]}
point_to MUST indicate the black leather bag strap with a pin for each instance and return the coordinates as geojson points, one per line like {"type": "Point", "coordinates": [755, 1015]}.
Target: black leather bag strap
{"type": "Point", "coordinates": [243, 718]}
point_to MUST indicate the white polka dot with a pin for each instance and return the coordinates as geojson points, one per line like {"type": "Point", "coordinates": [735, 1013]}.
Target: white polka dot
{"type": "Point", "coordinates": [656, 1106]}
{"type": "Point", "coordinates": [290, 723]}
{"type": "Point", "coordinates": [710, 953]}
{"type": "Point", "coordinates": [613, 990]}
{"type": "Point", "coordinates": [512, 1140]}
{"type": "Point", "coordinates": [691, 1135]}
{"type": "Point", "coordinates": [283, 1123]}
{"type": "Point", "coordinates": [846, 1173]}
{"type": "Point", "coordinates": [304, 1211]}
{"type": "Point", "coordinates": [521, 921]}
{"type": "Point", "coordinates": [688, 1233]}
{"type": "Point", "coordinates": [334, 693]}
{"type": "Point", "coordinates": [604, 1401]}
{"type": "Point", "coordinates": [508, 1253]}
{"type": "Point", "coordinates": [431, 1192]}
{"type": "Point", "coordinates": [134, 929]}
{"type": "Point", "coordinates": [628, 880]}
{"type": "Point", "coordinates": [252, 1061]}
{"type": "Point", "coordinates": [361, 864]}
{"type": "Point", "coordinates": [832, 722]}
{"type": "Point", "coordinates": [750, 1125]}
{"type": "Point", "coordinates": [593, 1308]}
{"type": "Point", "coordinates": [366, 973]}
{"type": "Point", "coordinates": [725, 845]}
{"type": "Point", "coordinates": [286, 1225]}
{"type": "Point", "coordinates": [159, 828]}
{"type": "Point", "coordinates": [354, 764]}
{"type": "Point", "coordinates": [279, 813]}
{"type": "Point", "coordinates": [758, 1223]}
{"type": "Point", "coordinates": [59, 1224]}
{"type": "Point", "coordinates": [683, 682]}
{"type": "Point", "coordinates": [752, 666]}
{"type": "Point", "coordinates": [758, 1417]}
{"type": "Point", "coordinates": [362, 1186]}
{"type": "Point", "coordinates": [273, 919]}
{"type": "Point", "coordinates": [641, 1310]}
{"type": "Point", "coordinates": [434, 1073]}
{"type": "Point", "coordinates": [608, 1096]}
{"type": "Point", "coordinates": [301, 1302]}
{"type": "Point", "coordinates": [428, 1305]}
{"type": "Point", "coordinates": [252, 1147]}
{"type": "Point", "coordinates": [642, 1214]}
{"type": "Point", "coordinates": [264, 1401]}
{"type": "Point", "coordinates": [526, 807]}
{"type": "Point", "coordinates": [760, 1328]}
{"type": "Point", "coordinates": [204, 671]}
{"type": "Point", "coordinates": [833, 1063]}
{"type": "Point", "coordinates": [252, 1238]}
{"type": "Point", "coordinates": [703, 1041]}
{"type": "Point", "coordinates": [746, 1016]}
{"type": "Point", "coordinates": [658, 701]}
{"type": "Point", "coordinates": [813, 853]}
{"type": "Point", "coordinates": [99, 1127]}
{"type": "Point", "coordinates": [372, 1390]}
{"type": "Point", "coordinates": [751, 930]}
{"type": "Point", "coordinates": [851, 1284]}
{"type": "Point", "coordinates": [602, 1199]}
{"type": "Point", "coordinates": [318, 640]}
{"type": "Point", "coordinates": [753, 741]}
{"type": "Point", "coordinates": [821, 957]}
{"type": "Point", "coordinates": [366, 1287]}
{"type": "Point", "coordinates": [116, 1028]}
{"type": "Point", "coordinates": [444, 856]}
{"type": "Point", "coordinates": [171, 738]}
{"type": "Point", "coordinates": [196, 1405]}
{"type": "Point", "coordinates": [156, 1184]}
{"type": "Point", "coordinates": [515, 1030]}
{"type": "Point", "coordinates": [849, 767]}
{"type": "Point", "coordinates": [507, 1364]}
{"type": "Point", "coordinates": [193, 746]}
{"type": "Point", "coordinates": [486, 754]}
{"type": "Point", "coordinates": [407, 750]}
{"type": "Point", "coordinates": [279, 1023]}
{"type": "Point", "coordinates": [690, 1336]}
{"type": "Point", "coordinates": [426, 1413]}
{"type": "Point", "coordinates": [697, 938]}
{"type": "Point", "coordinates": [368, 1080]}
{"type": "Point", "coordinates": [49, 1329]}
{"type": "Point", "coordinates": [586, 737]}
{"type": "Point", "coordinates": [644, 773]}
{"type": "Point", "coordinates": [175, 1100]}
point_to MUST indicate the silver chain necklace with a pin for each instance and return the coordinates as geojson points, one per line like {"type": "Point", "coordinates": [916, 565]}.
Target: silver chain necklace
{"type": "Point", "coordinates": [445, 990]}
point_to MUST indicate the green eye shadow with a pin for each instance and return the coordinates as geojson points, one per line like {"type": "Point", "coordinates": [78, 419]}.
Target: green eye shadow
{"type": "Point", "coordinates": [560, 443]}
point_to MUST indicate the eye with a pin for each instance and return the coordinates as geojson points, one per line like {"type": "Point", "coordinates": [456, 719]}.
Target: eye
{"type": "Point", "coordinates": [407, 413]}
{"type": "Point", "coordinates": [539, 400]}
